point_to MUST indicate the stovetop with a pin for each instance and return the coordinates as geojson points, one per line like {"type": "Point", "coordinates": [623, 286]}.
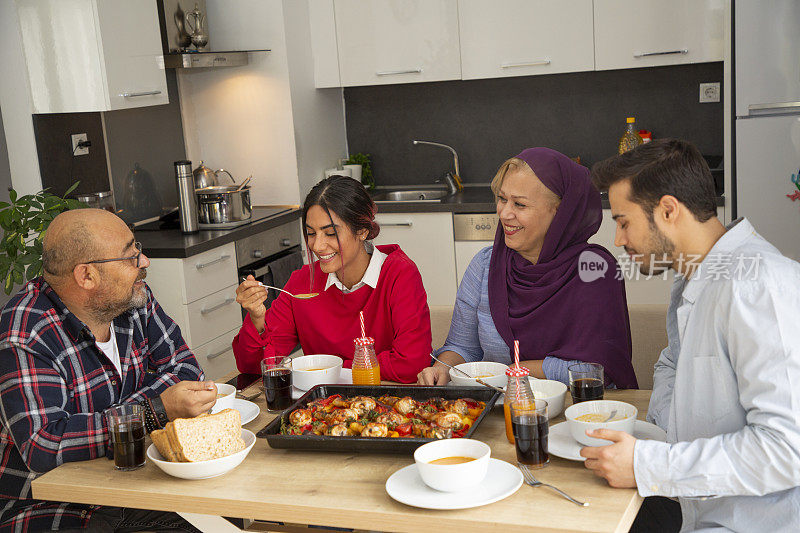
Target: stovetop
{"type": "Point", "coordinates": [171, 221]}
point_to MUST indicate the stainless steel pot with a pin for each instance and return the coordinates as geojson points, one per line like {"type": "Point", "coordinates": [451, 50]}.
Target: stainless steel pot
{"type": "Point", "coordinates": [223, 204]}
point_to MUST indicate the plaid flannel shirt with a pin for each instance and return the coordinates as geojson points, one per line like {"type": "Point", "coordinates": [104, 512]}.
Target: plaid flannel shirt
{"type": "Point", "coordinates": [54, 385]}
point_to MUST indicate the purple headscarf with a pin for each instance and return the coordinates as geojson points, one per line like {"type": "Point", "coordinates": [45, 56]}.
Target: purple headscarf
{"type": "Point", "coordinates": [547, 306]}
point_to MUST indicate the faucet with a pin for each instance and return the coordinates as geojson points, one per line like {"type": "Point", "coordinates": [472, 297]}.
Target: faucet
{"type": "Point", "coordinates": [452, 180]}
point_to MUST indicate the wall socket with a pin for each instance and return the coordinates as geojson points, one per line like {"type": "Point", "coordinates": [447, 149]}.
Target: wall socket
{"type": "Point", "coordinates": [709, 92]}
{"type": "Point", "coordinates": [76, 138]}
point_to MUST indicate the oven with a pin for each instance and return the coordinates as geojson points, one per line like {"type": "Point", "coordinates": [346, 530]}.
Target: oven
{"type": "Point", "coordinates": [270, 256]}
{"type": "Point", "coordinates": [473, 232]}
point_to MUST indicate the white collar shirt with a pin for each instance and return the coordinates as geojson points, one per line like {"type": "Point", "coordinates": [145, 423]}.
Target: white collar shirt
{"type": "Point", "coordinates": [370, 277]}
{"type": "Point", "coordinates": [725, 390]}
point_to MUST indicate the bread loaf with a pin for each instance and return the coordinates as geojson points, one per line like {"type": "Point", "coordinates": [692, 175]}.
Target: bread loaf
{"type": "Point", "coordinates": [202, 438]}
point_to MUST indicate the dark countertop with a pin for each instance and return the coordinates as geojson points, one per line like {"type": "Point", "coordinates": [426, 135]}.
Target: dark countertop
{"type": "Point", "coordinates": [473, 199]}
{"type": "Point", "coordinates": [163, 243]}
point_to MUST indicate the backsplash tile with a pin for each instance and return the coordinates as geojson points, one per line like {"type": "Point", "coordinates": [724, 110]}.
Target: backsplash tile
{"type": "Point", "coordinates": [487, 121]}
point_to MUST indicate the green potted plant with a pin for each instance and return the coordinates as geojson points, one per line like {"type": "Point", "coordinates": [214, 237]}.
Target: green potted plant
{"type": "Point", "coordinates": [362, 160]}
{"type": "Point", "coordinates": [24, 221]}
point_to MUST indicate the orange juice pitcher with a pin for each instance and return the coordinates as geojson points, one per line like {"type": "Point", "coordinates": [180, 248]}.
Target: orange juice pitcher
{"type": "Point", "coordinates": [366, 370]}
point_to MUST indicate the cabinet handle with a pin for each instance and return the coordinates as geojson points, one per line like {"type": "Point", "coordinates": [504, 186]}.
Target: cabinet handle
{"type": "Point", "coordinates": [407, 224]}
{"type": "Point", "coordinates": [143, 93]}
{"type": "Point", "coordinates": [201, 266]}
{"type": "Point", "coordinates": [540, 62]}
{"type": "Point", "coordinates": [667, 53]}
{"type": "Point", "coordinates": [286, 242]}
{"type": "Point", "coordinates": [395, 72]}
{"type": "Point", "coordinates": [775, 105]}
{"type": "Point", "coordinates": [217, 354]}
{"type": "Point", "coordinates": [227, 301]}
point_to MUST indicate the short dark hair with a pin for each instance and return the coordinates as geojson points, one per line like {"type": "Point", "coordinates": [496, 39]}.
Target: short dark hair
{"type": "Point", "coordinates": [662, 167]}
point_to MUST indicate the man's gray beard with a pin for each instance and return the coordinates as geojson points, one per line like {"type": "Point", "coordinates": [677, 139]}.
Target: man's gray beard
{"type": "Point", "coordinates": [661, 249]}
{"type": "Point", "coordinates": [108, 311]}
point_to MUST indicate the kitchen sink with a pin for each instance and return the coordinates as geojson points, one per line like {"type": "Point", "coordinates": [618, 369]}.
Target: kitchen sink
{"type": "Point", "coordinates": [410, 196]}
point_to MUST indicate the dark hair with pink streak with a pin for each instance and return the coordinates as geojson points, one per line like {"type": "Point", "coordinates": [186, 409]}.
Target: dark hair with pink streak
{"type": "Point", "coordinates": [349, 200]}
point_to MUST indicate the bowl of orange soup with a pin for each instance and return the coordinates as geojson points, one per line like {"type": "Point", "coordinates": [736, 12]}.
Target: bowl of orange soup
{"type": "Point", "coordinates": [318, 369]}
{"type": "Point", "coordinates": [451, 465]}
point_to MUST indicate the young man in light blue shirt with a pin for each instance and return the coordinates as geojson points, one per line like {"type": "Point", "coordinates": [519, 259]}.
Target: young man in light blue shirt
{"type": "Point", "coordinates": [727, 387]}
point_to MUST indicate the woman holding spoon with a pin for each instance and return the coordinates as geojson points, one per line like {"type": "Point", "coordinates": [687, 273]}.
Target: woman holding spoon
{"type": "Point", "coordinates": [350, 275]}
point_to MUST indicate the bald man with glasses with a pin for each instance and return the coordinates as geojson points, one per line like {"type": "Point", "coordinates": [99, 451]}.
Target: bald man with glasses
{"type": "Point", "coordinates": [86, 335]}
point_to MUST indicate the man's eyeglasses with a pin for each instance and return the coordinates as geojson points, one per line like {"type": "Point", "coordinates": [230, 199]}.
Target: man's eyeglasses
{"type": "Point", "coordinates": [137, 257]}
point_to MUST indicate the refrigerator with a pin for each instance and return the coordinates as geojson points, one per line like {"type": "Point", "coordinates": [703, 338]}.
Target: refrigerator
{"type": "Point", "coordinates": [766, 75]}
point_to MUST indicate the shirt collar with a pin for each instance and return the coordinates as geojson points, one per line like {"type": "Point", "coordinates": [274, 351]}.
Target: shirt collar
{"type": "Point", "coordinates": [719, 256]}
{"type": "Point", "coordinates": [371, 275]}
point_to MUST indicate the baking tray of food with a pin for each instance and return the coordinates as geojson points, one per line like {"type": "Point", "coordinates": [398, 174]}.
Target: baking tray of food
{"type": "Point", "coordinates": [379, 444]}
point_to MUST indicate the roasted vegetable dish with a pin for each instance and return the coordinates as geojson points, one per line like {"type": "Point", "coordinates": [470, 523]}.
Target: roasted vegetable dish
{"type": "Point", "coordinates": [384, 416]}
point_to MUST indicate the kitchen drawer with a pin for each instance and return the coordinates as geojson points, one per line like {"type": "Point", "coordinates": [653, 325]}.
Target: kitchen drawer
{"type": "Point", "coordinates": [209, 272]}
{"type": "Point", "coordinates": [267, 243]}
{"type": "Point", "coordinates": [213, 315]}
{"type": "Point", "coordinates": [216, 356]}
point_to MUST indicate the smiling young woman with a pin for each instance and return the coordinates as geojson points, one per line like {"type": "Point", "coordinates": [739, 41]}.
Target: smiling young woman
{"type": "Point", "coordinates": [350, 275]}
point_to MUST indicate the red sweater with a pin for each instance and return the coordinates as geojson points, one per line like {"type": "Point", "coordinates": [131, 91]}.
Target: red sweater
{"type": "Point", "coordinates": [395, 314]}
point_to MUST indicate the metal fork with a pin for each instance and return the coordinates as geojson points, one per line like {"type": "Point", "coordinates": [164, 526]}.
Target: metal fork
{"type": "Point", "coordinates": [533, 482]}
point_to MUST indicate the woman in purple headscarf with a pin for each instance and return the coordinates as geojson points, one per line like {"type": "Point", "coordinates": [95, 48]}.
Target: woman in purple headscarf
{"type": "Point", "coordinates": [542, 283]}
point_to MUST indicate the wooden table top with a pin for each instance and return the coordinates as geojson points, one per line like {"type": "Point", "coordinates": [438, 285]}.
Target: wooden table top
{"type": "Point", "coordinates": [348, 490]}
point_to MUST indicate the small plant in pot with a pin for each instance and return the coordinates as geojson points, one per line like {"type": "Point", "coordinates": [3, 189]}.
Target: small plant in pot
{"type": "Point", "coordinates": [366, 168]}
{"type": "Point", "coordinates": [24, 221]}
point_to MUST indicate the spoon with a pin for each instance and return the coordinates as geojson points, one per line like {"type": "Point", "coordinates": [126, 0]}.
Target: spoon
{"type": "Point", "coordinates": [612, 415]}
{"type": "Point", "coordinates": [498, 389]}
{"type": "Point", "coordinates": [305, 296]}
{"type": "Point", "coordinates": [244, 183]}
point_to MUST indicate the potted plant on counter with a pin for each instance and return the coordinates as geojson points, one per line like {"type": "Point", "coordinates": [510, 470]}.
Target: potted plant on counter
{"type": "Point", "coordinates": [365, 166]}
{"type": "Point", "coordinates": [24, 221]}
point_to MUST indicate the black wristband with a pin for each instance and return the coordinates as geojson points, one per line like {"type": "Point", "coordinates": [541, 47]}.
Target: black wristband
{"type": "Point", "coordinates": [155, 416]}
{"type": "Point", "coordinates": [150, 421]}
{"type": "Point", "coordinates": [159, 411]}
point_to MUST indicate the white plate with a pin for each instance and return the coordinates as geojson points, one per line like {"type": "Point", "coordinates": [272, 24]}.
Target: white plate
{"type": "Point", "coordinates": [502, 480]}
{"type": "Point", "coordinates": [345, 378]}
{"type": "Point", "coordinates": [561, 444]}
{"type": "Point", "coordinates": [203, 469]}
{"type": "Point", "coordinates": [247, 410]}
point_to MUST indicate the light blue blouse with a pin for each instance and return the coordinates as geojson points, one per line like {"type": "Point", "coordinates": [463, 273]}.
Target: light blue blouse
{"type": "Point", "coordinates": [473, 334]}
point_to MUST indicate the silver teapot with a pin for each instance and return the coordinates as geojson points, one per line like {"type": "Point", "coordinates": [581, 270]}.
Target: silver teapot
{"type": "Point", "coordinates": [206, 177]}
{"type": "Point", "coordinates": [195, 20]}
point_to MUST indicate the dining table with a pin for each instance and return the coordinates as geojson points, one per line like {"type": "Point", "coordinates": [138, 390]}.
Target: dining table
{"type": "Point", "coordinates": [348, 490]}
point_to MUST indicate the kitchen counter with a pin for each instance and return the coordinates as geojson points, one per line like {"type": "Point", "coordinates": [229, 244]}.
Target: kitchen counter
{"type": "Point", "coordinates": [172, 243]}
{"type": "Point", "coordinates": [473, 199]}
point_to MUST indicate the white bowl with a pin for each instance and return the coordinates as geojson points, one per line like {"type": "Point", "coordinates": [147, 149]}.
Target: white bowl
{"type": "Point", "coordinates": [203, 469]}
{"type": "Point", "coordinates": [578, 428]}
{"type": "Point", "coordinates": [495, 371]}
{"type": "Point", "coordinates": [225, 396]}
{"type": "Point", "coordinates": [457, 477]}
{"type": "Point", "coordinates": [551, 391]}
{"type": "Point", "coordinates": [310, 370]}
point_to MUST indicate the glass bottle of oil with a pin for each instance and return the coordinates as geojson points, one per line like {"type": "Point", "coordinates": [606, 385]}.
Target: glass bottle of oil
{"type": "Point", "coordinates": [630, 139]}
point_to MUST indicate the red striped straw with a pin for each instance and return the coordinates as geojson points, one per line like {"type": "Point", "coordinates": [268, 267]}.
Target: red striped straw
{"type": "Point", "coordinates": [363, 329]}
{"type": "Point", "coordinates": [516, 365]}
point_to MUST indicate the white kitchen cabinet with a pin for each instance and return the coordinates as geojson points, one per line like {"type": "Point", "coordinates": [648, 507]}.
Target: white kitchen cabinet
{"type": "Point", "coordinates": [427, 238]}
{"type": "Point", "coordinates": [525, 37]}
{"type": "Point", "coordinates": [397, 41]}
{"type": "Point", "coordinates": [649, 33]}
{"type": "Point", "coordinates": [199, 294]}
{"type": "Point", "coordinates": [92, 55]}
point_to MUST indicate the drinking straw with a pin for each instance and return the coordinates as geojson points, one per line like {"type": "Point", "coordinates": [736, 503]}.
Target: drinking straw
{"type": "Point", "coordinates": [363, 329]}
{"type": "Point", "coordinates": [516, 364]}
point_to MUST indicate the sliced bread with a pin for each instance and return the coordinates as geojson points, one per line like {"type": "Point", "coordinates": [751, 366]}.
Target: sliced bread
{"type": "Point", "coordinates": [206, 437]}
